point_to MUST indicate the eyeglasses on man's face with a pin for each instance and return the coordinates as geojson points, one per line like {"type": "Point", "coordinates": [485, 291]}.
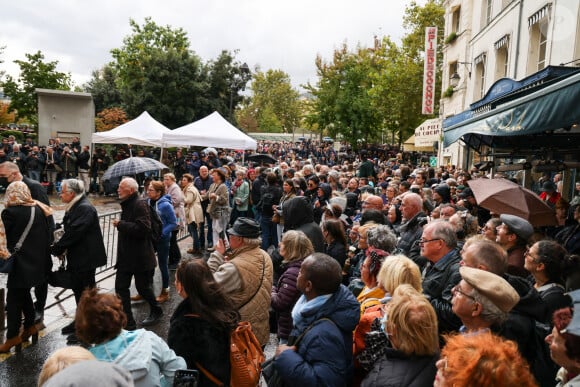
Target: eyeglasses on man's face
{"type": "Point", "coordinates": [423, 241]}
{"type": "Point", "coordinates": [457, 290]}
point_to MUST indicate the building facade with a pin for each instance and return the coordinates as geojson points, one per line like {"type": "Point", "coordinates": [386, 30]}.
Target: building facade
{"type": "Point", "coordinates": [487, 40]}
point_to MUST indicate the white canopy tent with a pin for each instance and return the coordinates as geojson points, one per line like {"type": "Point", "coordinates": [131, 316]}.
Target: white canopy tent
{"type": "Point", "coordinates": [143, 130]}
{"type": "Point", "coordinates": [213, 131]}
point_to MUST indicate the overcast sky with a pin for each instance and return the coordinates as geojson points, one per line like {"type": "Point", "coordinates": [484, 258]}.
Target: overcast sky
{"type": "Point", "coordinates": [271, 34]}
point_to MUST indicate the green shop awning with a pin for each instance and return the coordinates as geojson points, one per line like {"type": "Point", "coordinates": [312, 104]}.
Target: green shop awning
{"type": "Point", "coordinates": [547, 113]}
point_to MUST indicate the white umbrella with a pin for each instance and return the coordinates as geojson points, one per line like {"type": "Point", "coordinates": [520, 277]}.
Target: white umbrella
{"type": "Point", "coordinates": [132, 166]}
{"type": "Point", "coordinates": [210, 150]}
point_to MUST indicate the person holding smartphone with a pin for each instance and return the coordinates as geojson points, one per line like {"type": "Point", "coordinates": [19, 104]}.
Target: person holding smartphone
{"type": "Point", "coordinates": [201, 325]}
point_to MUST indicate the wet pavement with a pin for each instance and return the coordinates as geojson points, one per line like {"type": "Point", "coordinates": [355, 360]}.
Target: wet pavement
{"type": "Point", "coordinates": [22, 369]}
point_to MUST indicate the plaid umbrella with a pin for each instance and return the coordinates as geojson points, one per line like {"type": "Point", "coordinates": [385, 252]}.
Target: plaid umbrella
{"type": "Point", "coordinates": [133, 166]}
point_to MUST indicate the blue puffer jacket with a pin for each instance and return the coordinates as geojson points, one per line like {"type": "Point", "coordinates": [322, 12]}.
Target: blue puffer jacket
{"type": "Point", "coordinates": [324, 354]}
{"type": "Point", "coordinates": [167, 215]}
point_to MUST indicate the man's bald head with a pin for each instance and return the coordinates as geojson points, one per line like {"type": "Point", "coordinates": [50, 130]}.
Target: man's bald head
{"type": "Point", "coordinates": [373, 202]}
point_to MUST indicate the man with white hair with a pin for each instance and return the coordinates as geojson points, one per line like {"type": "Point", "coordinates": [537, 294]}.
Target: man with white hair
{"type": "Point", "coordinates": [482, 300]}
{"type": "Point", "coordinates": [135, 253]}
{"type": "Point", "coordinates": [411, 230]}
{"type": "Point", "coordinates": [439, 245]}
{"type": "Point", "coordinates": [82, 240]}
{"type": "Point", "coordinates": [307, 171]}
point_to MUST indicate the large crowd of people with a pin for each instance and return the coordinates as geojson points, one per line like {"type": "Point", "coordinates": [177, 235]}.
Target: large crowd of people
{"type": "Point", "coordinates": [371, 268]}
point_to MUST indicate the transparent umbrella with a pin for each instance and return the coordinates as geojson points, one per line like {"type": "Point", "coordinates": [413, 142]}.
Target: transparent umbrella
{"type": "Point", "coordinates": [132, 166]}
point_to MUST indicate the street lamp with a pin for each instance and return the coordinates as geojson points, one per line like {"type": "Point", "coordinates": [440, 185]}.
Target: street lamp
{"type": "Point", "coordinates": [455, 77]}
{"type": "Point", "coordinates": [238, 81]}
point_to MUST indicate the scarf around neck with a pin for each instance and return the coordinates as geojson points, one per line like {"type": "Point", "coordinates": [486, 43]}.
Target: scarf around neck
{"type": "Point", "coordinates": [303, 306]}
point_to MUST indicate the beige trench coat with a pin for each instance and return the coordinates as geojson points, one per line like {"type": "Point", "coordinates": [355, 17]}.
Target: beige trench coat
{"type": "Point", "coordinates": [193, 211]}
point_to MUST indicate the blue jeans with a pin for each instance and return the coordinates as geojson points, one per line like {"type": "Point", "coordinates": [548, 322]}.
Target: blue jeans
{"type": "Point", "coordinates": [34, 175]}
{"type": "Point", "coordinates": [192, 228]}
{"type": "Point", "coordinates": [162, 259]}
{"type": "Point", "coordinates": [257, 214]}
{"type": "Point", "coordinates": [269, 232]}
{"type": "Point", "coordinates": [209, 230]}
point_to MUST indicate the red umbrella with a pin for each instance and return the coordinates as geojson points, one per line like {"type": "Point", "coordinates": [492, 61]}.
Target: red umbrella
{"type": "Point", "coordinates": [502, 196]}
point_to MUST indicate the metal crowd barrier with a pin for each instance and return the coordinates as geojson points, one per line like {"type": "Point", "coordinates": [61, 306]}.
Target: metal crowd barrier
{"type": "Point", "coordinates": [110, 239]}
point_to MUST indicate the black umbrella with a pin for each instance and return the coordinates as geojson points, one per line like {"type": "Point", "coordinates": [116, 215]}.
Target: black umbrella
{"type": "Point", "coordinates": [262, 158]}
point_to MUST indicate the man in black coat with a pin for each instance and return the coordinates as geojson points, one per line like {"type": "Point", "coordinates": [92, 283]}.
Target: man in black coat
{"type": "Point", "coordinates": [10, 172]}
{"type": "Point", "coordinates": [439, 246]}
{"type": "Point", "coordinates": [411, 230]}
{"type": "Point", "coordinates": [135, 253]}
{"type": "Point", "coordinates": [82, 240]}
{"type": "Point", "coordinates": [202, 183]}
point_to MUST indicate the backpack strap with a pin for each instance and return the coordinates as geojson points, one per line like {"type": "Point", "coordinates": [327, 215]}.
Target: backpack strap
{"type": "Point", "coordinates": [209, 375]}
{"type": "Point", "coordinates": [309, 328]}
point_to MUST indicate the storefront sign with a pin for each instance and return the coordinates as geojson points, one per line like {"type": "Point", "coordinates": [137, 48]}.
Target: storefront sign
{"type": "Point", "coordinates": [428, 132]}
{"type": "Point", "coordinates": [429, 70]}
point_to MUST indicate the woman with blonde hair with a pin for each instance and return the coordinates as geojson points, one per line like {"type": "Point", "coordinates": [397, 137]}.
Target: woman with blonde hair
{"type": "Point", "coordinates": [193, 211]}
{"type": "Point", "coordinates": [482, 359]}
{"type": "Point", "coordinates": [396, 270]}
{"type": "Point", "coordinates": [412, 332]}
{"type": "Point", "coordinates": [294, 248]}
{"type": "Point", "coordinates": [62, 358]}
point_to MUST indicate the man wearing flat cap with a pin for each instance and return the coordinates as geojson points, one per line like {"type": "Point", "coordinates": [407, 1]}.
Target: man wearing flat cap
{"type": "Point", "coordinates": [520, 324]}
{"type": "Point", "coordinates": [245, 274]}
{"type": "Point", "coordinates": [482, 300]}
{"type": "Point", "coordinates": [513, 234]}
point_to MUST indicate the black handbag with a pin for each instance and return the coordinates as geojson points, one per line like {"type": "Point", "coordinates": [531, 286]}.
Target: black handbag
{"type": "Point", "coordinates": [7, 264]}
{"type": "Point", "coordinates": [62, 278]}
{"type": "Point", "coordinates": [270, 374]}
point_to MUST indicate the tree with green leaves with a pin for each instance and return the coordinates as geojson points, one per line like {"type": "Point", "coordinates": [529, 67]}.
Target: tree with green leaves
{"type": "Point", "coordinates": [35, 73]}
{"type": "Point", "coordinates": [103, 88]}
{"type": "Point", "coordinates": [227, 79]}
{"type": "Point", "coordinates": [342, 101]}
{"type": "Point", "coordinates": [157, 72]}
{"type": "Point", "coordinates": [274, 105]}
{"type": "Point", "coordinates": [367, 92]}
